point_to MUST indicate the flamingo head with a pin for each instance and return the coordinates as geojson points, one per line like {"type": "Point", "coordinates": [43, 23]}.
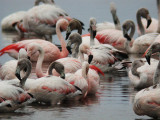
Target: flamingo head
{"type": "Point", "coordinates": [22, 53]}
{"type": "Point", "coordinates": [155, 47]}
{"type": "Point", "coordinates": [145, 14]}
{"type": "Point", "coordinates": [59, 67]}
{"type": "Point", "coordinates": [62, 24]}
{"type": "Point", "coordinates": [74, 38]}
{"type": "Point", "coordinates": [93, 26]}
{"type": "Point", "coordinates": [127, 25]}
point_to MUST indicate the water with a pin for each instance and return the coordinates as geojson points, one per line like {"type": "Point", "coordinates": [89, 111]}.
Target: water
{"type": "Point", "coordinates": [115, 96]}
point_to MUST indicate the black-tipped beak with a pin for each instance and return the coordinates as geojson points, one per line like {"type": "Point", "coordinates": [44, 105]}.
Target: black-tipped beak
{"type": "Point", "coordinates": [14, 24]}
{"type": "Point", "coordinates": [67, 35]}
{"type": "Point", "coordinates": [29, 58]}
{"type": "Point", "coordinates": [148, 57]}
{"type": "Point", "coordinates": [62, 75]}
{"type": "Point", "coordinates": [149, 22]}
{"type": "Point", "coordinates": [17, 74]}
{"type": "Point", "coordinates": [94, 33]}
{"type": "Point", "coordinates": [90, 57]}
{"type": "Point", "coordinates": [69, 49]}
{"type": "Point", "coordinates": [127, 36]}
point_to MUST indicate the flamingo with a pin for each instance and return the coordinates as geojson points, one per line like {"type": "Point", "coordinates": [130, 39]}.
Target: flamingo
{"type": "Point", "coordinates": [152, 26]}
{"type": "Point", "coordinates": [146, 101]}
{"type": "Point", "coordinates": [49, 89]}
{"type": "Point", "coordinates": [76, 25]}
{"type": "Point", "coordinates": [86, 79]}
{"type": "Point", "coordinates": [7, 71]}
{"type": "Point", "coordinates": [41, 20]}
{"type": "Point", "coordinates": [104, 55]}
{"type": "Point", "coordinates": [143, 12]}
{"type": "Point", "coordinates": [140, 44]}
{"type": "Point", "coordinates": [141, 74]}
{"type": "Point", "coordinates": [52, 52]}
{"type": "Point", "coordinates": [13, 97]}
{"type": "Point", "coordinates": [7, 23]}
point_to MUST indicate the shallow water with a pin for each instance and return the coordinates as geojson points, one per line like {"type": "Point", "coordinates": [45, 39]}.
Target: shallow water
{"type": "Point", "coordinates": [115, 96]}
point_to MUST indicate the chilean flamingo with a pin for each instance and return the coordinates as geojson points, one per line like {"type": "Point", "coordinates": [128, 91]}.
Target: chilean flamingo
{"type": "Point", "coordinates": [55, 89]}
{"type": "Point", "coordinates": [13, 97]}
{"type": "Point", "coordinates": [52, 52]}
{"type": "Point", "coordinates": [141, 74]}
{"type": "Point", "coordinates": [143, 12]}
{"type": "Point", "coordinates": [7, 71]}
{"type": "Point", "coordinates": [154, 24]}
{"type": "Point", "coordinates": [42, 20]}
{"type": "Point", "coordinates": [146, 101]}
{"type": "Point", "coordinates": [141, 43]}
{"type": "Point", "coordinates": [86, 79]}
{"type": "Point", "coordinates": [8, 21]}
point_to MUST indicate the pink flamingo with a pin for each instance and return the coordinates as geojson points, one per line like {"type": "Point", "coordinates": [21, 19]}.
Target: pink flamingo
{"type": "Point", "coordinates": [146, 101]}
{"type": "Point", "coordinates": [52, 52]}
{"type": "Point", "coordinates": [54, 88]}
{"type": "Point", "coordinates": [8, 21]}
{"type": "Point", "coordinates": [86, 79]}
{"type": "Point", "coordinates": [7, 71]}
{"type": "Point", "coordinates": [42, 20]}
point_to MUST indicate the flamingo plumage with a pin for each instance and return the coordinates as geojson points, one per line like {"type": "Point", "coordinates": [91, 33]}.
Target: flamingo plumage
{"type": "Point", "coordinates": [52, 52]}
{"type": "Point", "coordinates": [146, 101]}
{"type": "Point", "coordinates": [49, 89]}
{"type": "Point", "coordinates": [7, 71]}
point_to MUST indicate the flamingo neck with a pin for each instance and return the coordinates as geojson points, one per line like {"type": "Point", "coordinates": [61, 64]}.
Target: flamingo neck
{"type": "Point", "coordinates": [39, 71]}
{"type": "Point", "coordinates": [140, 25]}
{"type": "Point", "coordinates": [156, 78]}
{"type": "Point", "coordinates": [85, 72]}
{"type": "Point", "coordinates": [81, 56]}
{"type": "Point", "coordinates": [127, 46]}
{"type": "Point", "coordinates": [91, 37]}
{"type": "Point", "coordinates": [64, 52]}
{"type": "Point", "coordinates": [75, 50]}
{"type": "Point", "coordinates": [158, 6]}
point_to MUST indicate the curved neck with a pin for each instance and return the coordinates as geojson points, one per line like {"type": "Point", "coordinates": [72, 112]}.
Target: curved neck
{"type": "Point", "coordinates": [116, 21]}
{"type": "Point", "coordinates": [158, 6]}
{"type": "Point", "coordinates": [39, 71]}
{"type": "Point", "coordinates": [156, 78]}
{"type": "Point", "coordinates": [64, 51]}
{"type": "Point", "coordinates": [81, 56]}
{"type": "Point", "coordinates": [139, 22]}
